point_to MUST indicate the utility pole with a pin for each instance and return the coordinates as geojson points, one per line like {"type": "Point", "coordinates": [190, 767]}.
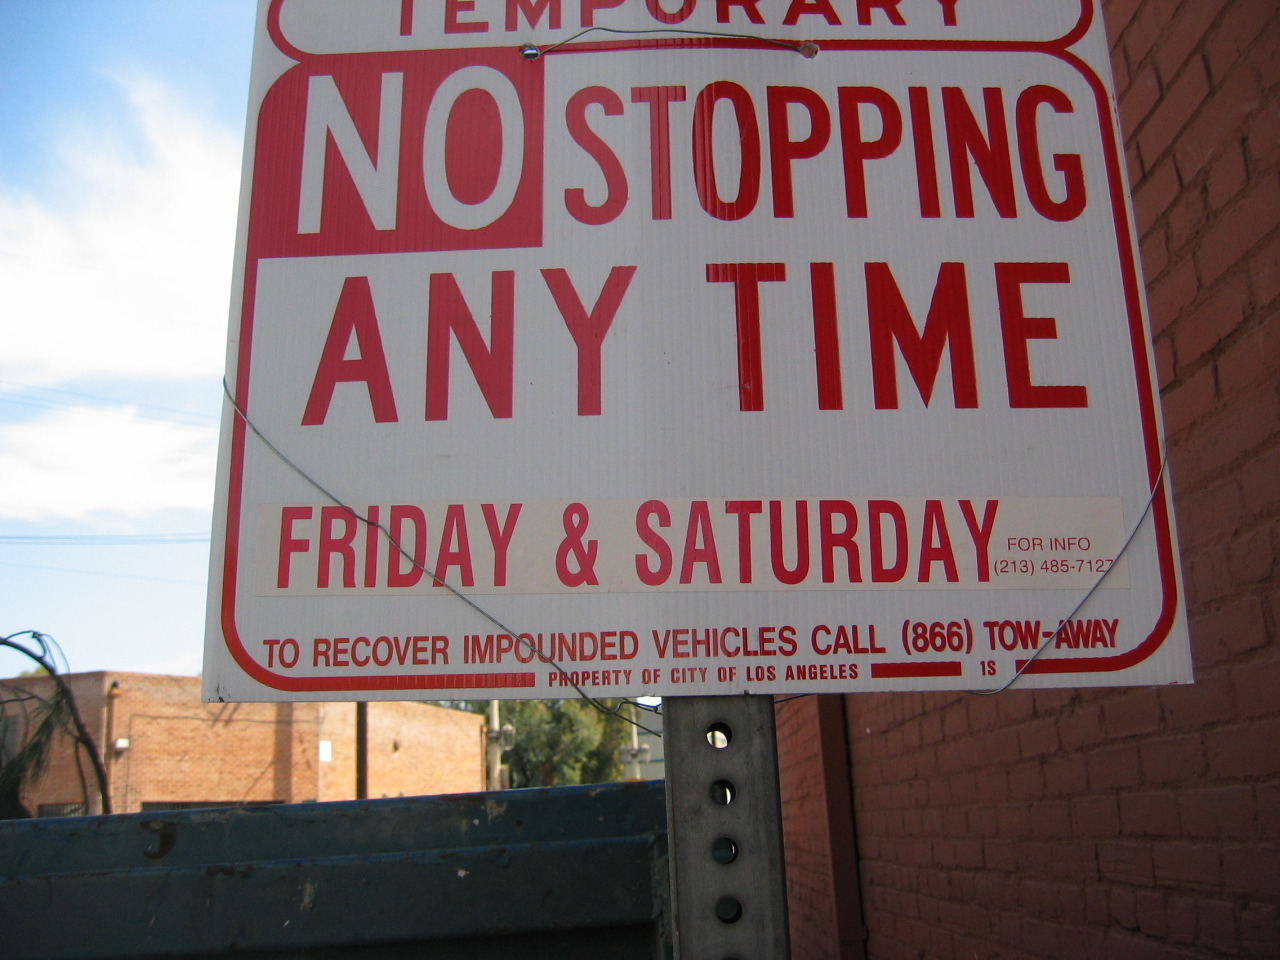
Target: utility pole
{"type": "Point", "coordinates": [493, 749]}
{"type": "Point", "coordinates": [633, 754]}
{"type": "Point", "coordinates": [724, 828]}
{"type": "Point", "coordinates": [110, 755]}
{"type": "Point", "coordinates": [497, 739]}
{"type": "Point", "coordinates": [362, 751]}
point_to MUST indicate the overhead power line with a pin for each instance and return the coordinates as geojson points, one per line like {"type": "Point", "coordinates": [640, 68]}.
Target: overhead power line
{"type": "Point", "coordinates": [112, 574]}
{"type": "Point", "coordinates": [49, 398]}
{"type": "Point", "coordinates": [106, 539]}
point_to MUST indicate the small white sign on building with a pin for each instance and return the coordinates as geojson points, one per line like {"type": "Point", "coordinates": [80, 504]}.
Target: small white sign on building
{"type": "Point", "coordinates": [661, 347]}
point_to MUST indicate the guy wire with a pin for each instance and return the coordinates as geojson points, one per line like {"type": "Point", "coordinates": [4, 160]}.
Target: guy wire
{"type": "Point", "coordinates": [438, 580]}
{"type": "Point", "coordinates": [793, 47]}
{"type": "Point", "coordinates": [1146, 511]}
{"type": "Point", "coordinates": [616, 711]}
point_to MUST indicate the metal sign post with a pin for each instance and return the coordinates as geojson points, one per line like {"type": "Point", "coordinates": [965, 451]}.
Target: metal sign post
{"type": "Point", "coordinates": [817, 337]}
{"type": "Point", "coordinates": [724, 826]}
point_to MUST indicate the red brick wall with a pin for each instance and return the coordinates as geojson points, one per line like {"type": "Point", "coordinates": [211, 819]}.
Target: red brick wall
{"type": "Point", "coordinates": [61, 782]}
{"type": "Point", "coordinates": [181, 750]}
{"type": "Point", "coordinates": [414, 748]}
{"type": "Point", "coordinates": [818, 841]}
{"type": "Point", "coordinates": [1135, 823]}
{"type": "Point", "coordinates": [184, 751]}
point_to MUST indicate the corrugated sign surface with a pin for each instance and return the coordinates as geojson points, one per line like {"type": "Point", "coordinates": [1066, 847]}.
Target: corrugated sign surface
{"type": "Point", "coordinates": [659, 347]}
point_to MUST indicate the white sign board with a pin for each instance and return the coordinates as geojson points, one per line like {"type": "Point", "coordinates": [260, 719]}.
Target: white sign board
{"type": "Point", "coordinates": [639, 347]}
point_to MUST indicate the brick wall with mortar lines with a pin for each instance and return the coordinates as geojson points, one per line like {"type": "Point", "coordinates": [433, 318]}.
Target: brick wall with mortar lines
{"type": "Point", "coordinates": [823, 898]}
{"type": "Point", "coordinates": [1140, 823]}
{"type": "Point", "coordinates": [414, 748]}
{"type": "Point", "coordinates": [806, 838]}
{"type": "Point", "coordinates": [181, 750]}
{"type": "Point", "coordinates": [184, 751]}
{"type": "Point", "coordinates": [61, 782]}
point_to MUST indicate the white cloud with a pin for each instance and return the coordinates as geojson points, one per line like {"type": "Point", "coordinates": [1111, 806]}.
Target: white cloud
{"type": "Point", "coordinates": [127, 272]}
{"type": "Point", "coordinates": [88, 462]}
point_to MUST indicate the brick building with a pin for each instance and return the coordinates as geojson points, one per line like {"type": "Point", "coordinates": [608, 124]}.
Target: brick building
{"type": "Point", "coordinates": [164, 748]}
{"type": "Point", "coordinates": [1106, 823]}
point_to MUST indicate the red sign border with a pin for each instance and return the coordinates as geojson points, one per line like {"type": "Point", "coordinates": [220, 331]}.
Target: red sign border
{"type": "Point", "coordinates": [1133, 297]}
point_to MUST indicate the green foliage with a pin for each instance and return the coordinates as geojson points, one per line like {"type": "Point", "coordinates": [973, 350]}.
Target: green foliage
{"type": "Point", "coordinates": [604, 763]}
{"type": "Point", "coordinates": [57, 714]}
{"type": "Point", "coordinates": [468, 706]}
{"type": "Point", "coordinates": [46, 720]}
{"type": "Point", "coordinates": [563, 742]}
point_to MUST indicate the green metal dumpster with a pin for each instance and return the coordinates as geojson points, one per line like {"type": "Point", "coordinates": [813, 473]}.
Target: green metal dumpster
{"type": "Point", "coordinates": [563, 873]}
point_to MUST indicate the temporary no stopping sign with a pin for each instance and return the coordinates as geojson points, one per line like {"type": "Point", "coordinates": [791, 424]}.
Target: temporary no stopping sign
{"type": "Point", "coordinates": [657, 347]}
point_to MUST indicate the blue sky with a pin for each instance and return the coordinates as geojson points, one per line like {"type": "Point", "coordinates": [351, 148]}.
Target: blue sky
{"type": "Point", "coordinates": [120, 130]}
